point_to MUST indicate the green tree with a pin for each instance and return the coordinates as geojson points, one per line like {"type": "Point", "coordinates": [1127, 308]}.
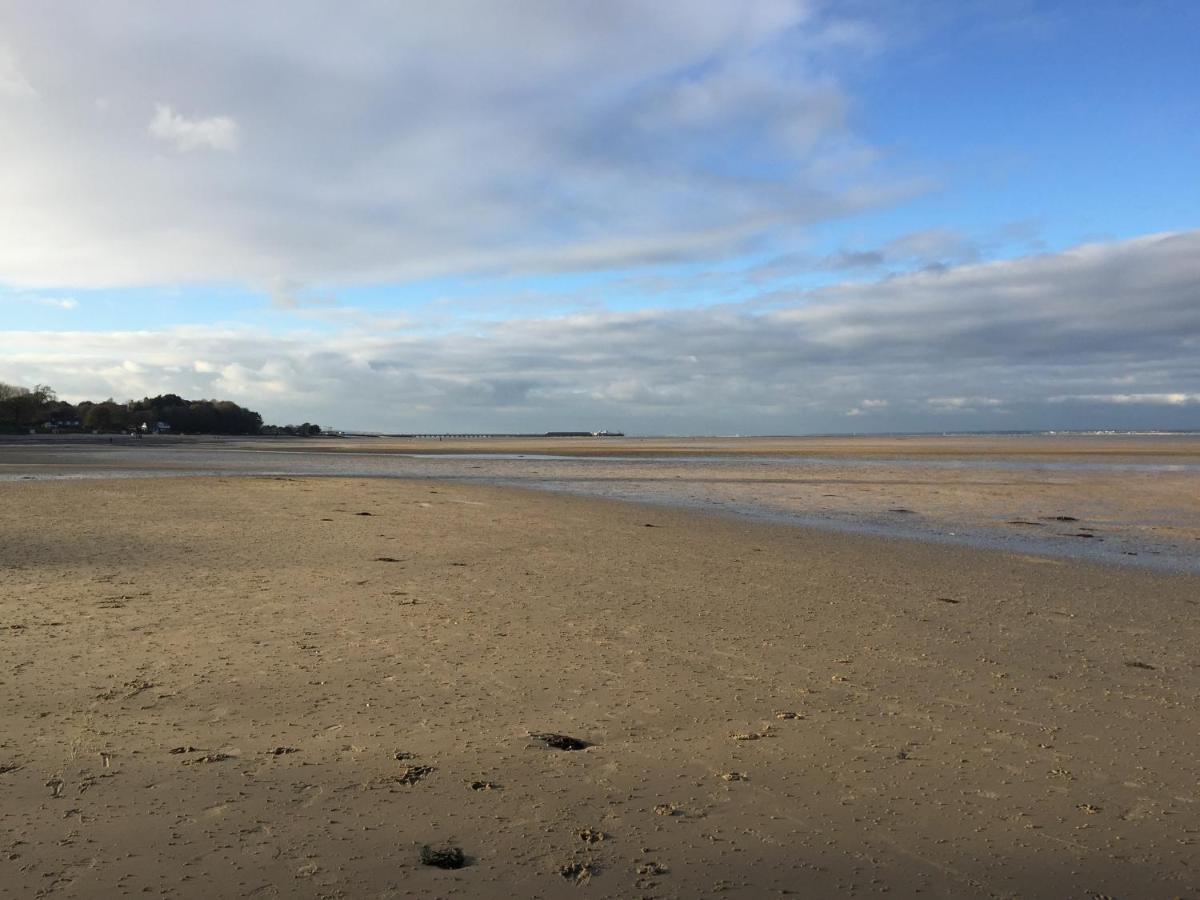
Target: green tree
{"type": "Point", "coordinates": [22, 407]}
{"type": "Point", "coordinates": [107, 415]}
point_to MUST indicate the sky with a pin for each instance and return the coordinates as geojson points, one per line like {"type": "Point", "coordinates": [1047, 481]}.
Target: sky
{"type": "Point", "coordinates": [679, 217]}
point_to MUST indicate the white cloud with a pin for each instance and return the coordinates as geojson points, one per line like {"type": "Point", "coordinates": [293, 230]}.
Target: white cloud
{"type": "Point", "coordinates": [215, 132]}
{"type": "Point", "coordinates": [1174, 398]}
{"type": "Point", "coordinates": [962, 404]}
{"type": "Point", "coordinates": [57, 302]}
{"type": "Point", "coordinates": [866, 406]}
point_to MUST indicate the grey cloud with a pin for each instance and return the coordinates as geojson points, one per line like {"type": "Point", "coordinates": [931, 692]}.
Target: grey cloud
{"type": "Point", "coordinates": [935, 249]}
{"type": "Point", "coordinates": [1100, 336]}
{"type": "Point", "coordinates": [289, 294]}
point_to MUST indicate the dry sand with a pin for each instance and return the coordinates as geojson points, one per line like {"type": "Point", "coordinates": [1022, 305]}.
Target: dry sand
{"type": "Point", "coordinates": [957, 723]}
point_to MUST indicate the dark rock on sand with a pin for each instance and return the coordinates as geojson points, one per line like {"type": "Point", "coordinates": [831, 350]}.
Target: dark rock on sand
{"type": "Point", "coordinates": [559, 741]}
{"type": "Point", "coordinates": [443, 857]}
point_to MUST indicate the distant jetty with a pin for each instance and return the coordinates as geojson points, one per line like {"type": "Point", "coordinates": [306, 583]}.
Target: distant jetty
{"type": "Point", "coordinates": [476, 435]}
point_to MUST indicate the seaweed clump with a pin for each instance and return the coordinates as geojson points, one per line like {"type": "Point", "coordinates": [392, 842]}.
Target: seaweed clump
{"type": "Point", "coordinates": [443, 857]}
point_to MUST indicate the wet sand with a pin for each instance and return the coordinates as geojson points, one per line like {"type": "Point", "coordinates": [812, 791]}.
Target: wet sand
{"type": "Point", "coordinates": [1126, 499]}
{"type": "Point", "coordinates": [770, 709]}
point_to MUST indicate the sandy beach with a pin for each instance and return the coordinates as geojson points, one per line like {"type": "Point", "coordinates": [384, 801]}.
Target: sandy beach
{"type": "Point", "coordinates": [288, 687]}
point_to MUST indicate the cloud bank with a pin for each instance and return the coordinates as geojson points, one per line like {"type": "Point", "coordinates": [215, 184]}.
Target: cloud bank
{"type": "Point", "coordinates": [1105, 335]}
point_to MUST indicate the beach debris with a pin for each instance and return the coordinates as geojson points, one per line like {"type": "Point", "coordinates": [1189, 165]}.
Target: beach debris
{"type": "Point", "coordinates": [788, 714]}
{"type": "Point", "coordinates": [1082, 534]}
{"type": "Point", "coordinates": [443, 857]}
{"type": "Point", "coordinates": [1062, 773]}
{"type": "Point", "coordinates": [185, 749]}
{"type": "Point", "coordinates": [652, 868]}
{"type": "Point", "coordinates": [364, 514]}
{"type": "Point", "coordinates": [900, 509]}
{"type": "Point", "coordinates": [484, 786]}
{"type": "Point", "coordinates": [387, 559]}
{"type": "Point", "coordinates": [591, 835]}
{"type": "Point", "coordinates": [1025, 522]}
{"type": "Point", "coordinates": [667, 809]}
{"type": "Point", "coordinates": [1138, 664]}
{"type": "Point", "coordinates": [281, 751]}
{"type": "Point", "coordinates": [5, 768]}
{"type": "Point", "coordinates": [578, 872]}
{"type": "Point", "coordinates": [130, 689]}
{"type": "Point", "coordinates": [755, 735]}
{"type": "Point", "coordinates": [559, 741]}
{"type": "Point", "coordinates": [413, 774]}
{"type": "Point", "coordinates": [401, 755]}
{"type": "Point", "coordinates": [734, 776]}
{"type": "Point", "coordinates": [948, 600]}
{"type": "Point", "coordinates": [208, 758]}
{"type": "Point", "coordinates": [90, 781]}
{"type": "Point", "coordinates": [1059, 519]}
{"type": "Point", "coordinates": [1088, 809]}
{"type": "Point", "coordinates": [651, 525]}
{"type": "Point", "coordinates": [56, 785]}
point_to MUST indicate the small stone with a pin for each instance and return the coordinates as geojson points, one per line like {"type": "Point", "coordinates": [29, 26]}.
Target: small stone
{"type": "Point", "coordinates": [559, 741]}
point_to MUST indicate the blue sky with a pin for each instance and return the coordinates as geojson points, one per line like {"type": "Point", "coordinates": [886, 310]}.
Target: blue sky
{"type": "Point", "coordinates": [684, 218]}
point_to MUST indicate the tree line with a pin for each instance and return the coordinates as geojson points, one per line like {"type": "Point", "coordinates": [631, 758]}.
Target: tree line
{"type": "Point", "coordinates": [40, 408]}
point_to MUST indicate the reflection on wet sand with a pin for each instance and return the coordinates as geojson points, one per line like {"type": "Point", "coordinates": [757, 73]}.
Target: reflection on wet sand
{"type": "Point", "coordinates": [1125, 499]}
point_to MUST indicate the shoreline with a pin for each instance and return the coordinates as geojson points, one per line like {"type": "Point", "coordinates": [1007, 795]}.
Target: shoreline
{"type": "Point", "coordinates": [1129, 510]}
{"type": "Point", "coordinates": [1042, 445]}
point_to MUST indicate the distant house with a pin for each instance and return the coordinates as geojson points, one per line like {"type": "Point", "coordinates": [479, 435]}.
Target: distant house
{"type": "Point", "coordinates": [156, 428]}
